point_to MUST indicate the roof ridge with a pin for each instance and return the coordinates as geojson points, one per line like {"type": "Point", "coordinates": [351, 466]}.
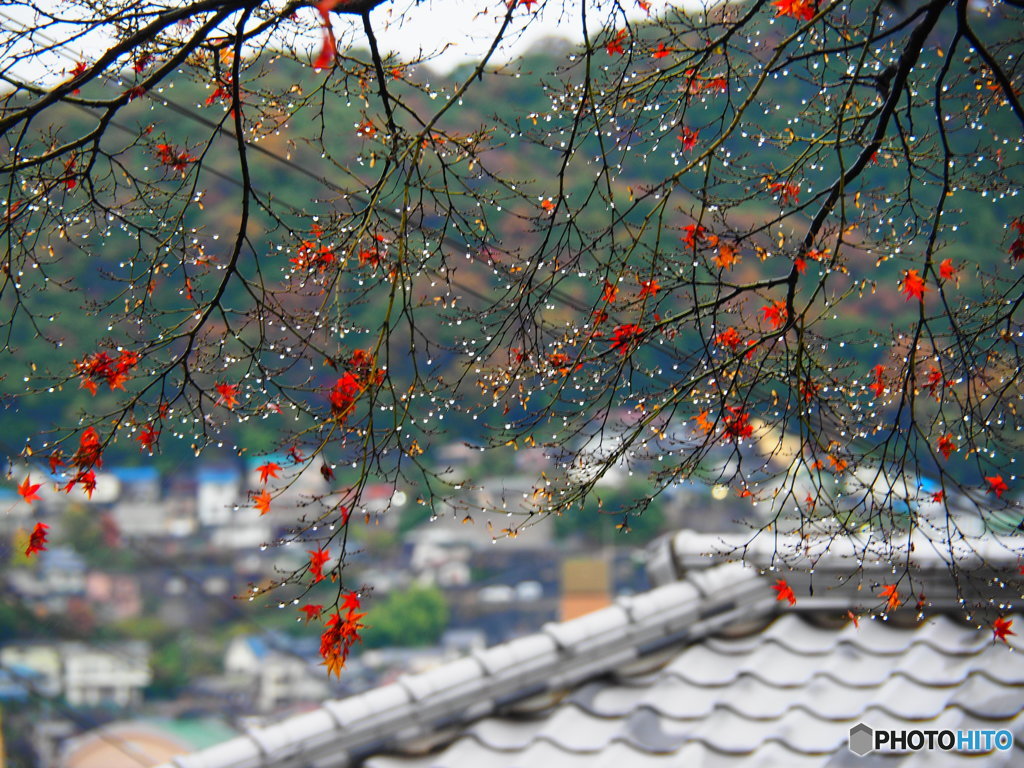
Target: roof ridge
{"type": "Point", "coordinates": [560, 656]}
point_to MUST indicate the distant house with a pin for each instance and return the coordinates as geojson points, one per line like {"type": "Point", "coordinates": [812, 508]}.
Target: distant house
{"type": "Point", "coordinates": [58, 576]}
{"type": "Point", "coordinates": [276, 670]}
{"type": "Point", "coordinates": [114, 596]}
{"type": "Point", "coordinates": [113, 674]}
{"type": "Point", "coordinates": [217, 490]}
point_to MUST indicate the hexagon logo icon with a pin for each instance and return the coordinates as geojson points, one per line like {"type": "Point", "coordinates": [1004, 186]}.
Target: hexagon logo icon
{"type": "Point", "coordinates": [862, 738]}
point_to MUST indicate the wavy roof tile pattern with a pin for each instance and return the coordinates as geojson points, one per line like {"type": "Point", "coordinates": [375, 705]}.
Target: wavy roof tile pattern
{"type": "Point", "coordinates": [707, 670]}
{"type": "Point", "coordinates": [786, 696]}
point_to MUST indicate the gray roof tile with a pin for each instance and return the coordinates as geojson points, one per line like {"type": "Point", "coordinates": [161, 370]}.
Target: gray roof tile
{"type": "Point", "coordinates": [643, 684]}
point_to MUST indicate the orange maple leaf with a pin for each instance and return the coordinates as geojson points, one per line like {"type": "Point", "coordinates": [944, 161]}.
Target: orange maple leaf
{"type": "Point", "coordinates": [28, 490]}
{"type": "Point", "coordinates": [263, 499]}
{"type": "Point", "coordinates": [891, 593]}
{"type": "Point", "coordinates": [946, 270]}
{"type": "Point", "coordinates": [727, 257]}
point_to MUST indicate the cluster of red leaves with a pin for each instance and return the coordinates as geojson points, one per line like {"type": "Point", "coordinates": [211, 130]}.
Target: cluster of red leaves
{"type": "Point", "coordinates": [340, 634]}
{"type": "Point", "coordinates": [347, 388]}
{"type": "Point", "coordinates": [730, 338]}
{"type": "Point", "coordinates": [892, 596]}
{"type": "Point", "coordinates": [100, 365]}
{"type": "Point", "coordinates": [374, 255]}
{"type": "Point", "coordinates": [737, 424]}
{"type": "Point", "coordinates": [614, 46]}
{"type": "Point", "coordinates": [36, 540]}
{"type": "Point", "coordinates": [624, 337]}
{"type": "Point", "coordinates": [88, 456]}
{"type": "Point", "coordinates": [313, 255]}
{"type": "Point", "coordinates": [173, 158]}
{"type": "Point", "coordinates": [797, 9]}
{"type": "Point", "coordinates": [222, 93]}
{"type": "Point", "coordinates": [696, 84]}
{"type": "Point", "coordinates": [1017, 246]}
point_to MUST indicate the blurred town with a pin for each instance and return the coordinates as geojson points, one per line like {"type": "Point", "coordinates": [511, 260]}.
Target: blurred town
{"type": "Point", "coordinates": [137, 620]}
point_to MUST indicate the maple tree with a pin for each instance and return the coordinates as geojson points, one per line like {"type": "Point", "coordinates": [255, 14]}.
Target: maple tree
{"type": "Point", "coordinates": [777, 249]}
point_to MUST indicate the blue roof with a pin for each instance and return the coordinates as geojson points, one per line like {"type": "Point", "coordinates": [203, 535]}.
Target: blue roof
{"type": "Point", "coordinates": [136, 474]}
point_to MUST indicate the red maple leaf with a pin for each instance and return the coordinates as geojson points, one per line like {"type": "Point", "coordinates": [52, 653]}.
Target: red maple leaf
{"type": "Point", "coordinates": [329, 45]}
{"type": "Point", "coordinates": [938, 496]}
{"type": "Point", "coordinates": [89, 453]}
{"type": "Point", "coordinates": [1001, 629]}
{"type": "Point", "coordinates": [228, 395]}
{"type": "Point", "coordinates": [28, 490]}
{"type": "Point", "coordinates": [317, 559]}
{"type": "Point", "coordinates": [614, 46]}
{"type": "Point", "coordinates": [694, 233]}
{"type": "Point", "coordinates": [775, 314]}
{"type": "Point", "coordinates": [784, 591]}
{"type": "Point", "coordinates": [649, 288]}
{"type": "Point", "coordinates": [36, 540]}
{"type": "Point", "coordinates": [788, 192]}
{"type": "Point", "coordinates": [662, 51]}
{"type": "Point", "coordinates": [854, 618]}
{"type": "Point", "coordinates": [946, 445]}
{"type": "Point", "coordinates": [625, 336]}
{"type": "Point", "coordinates": [892, 595]}
{"type": "Point", "coordinates": [267, 470]}
{"type": "Point", "coordinates": [688, 138]}
{"type": "Point", "coordinates": [343, 395]}
{"type": "Point", "coordinates": [878, 385]}
{"type": "Point", "coordinates": [946, 270]}
{"type": "Point", "coordinates": [997, 485]}
{"type": "Point", "coordinates": [529, 4]}
{"type": "Point", "coordinates": [797, 9]}
{"type": "Point", "coordinates": [311, 611]}
{"type": "Point", "coordinates": [147, 437]}
{"type": "Point", "coordinates": [263, 499]}
{"type": "Point", "coordinates": [913, 285]}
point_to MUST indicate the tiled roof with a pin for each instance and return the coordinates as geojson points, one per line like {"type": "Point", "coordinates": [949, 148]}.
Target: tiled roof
{"type": "Point", "coordinates": [694, 672]}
